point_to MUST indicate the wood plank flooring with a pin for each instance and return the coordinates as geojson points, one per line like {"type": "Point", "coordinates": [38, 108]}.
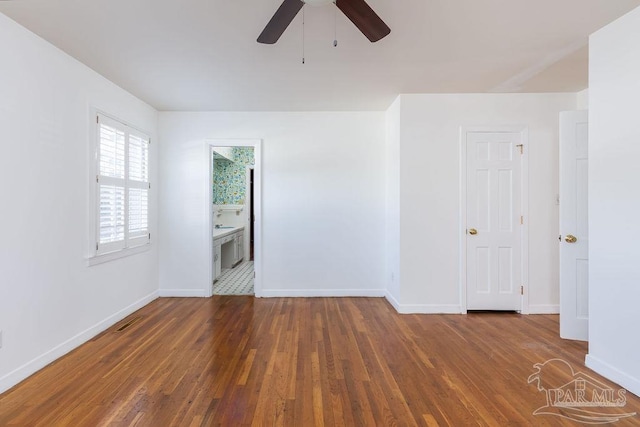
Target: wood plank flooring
{"type": "Point", "coordinates": [241, 361]}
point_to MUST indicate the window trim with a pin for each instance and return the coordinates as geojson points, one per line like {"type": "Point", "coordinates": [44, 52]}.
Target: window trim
{"type": "Point", "coordinates": [120, 253]}
{"type": "Point", "coordinates": [131, 245]}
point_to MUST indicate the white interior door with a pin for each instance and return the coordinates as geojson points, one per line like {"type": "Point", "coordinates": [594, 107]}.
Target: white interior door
{"type": "Point", "coordinates": [493, 220]}
{"type": "Point", "coordinates": [574, 238]}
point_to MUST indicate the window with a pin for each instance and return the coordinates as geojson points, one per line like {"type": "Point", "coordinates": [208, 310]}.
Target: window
{"type": "Point", "coordinates": [122, 187]}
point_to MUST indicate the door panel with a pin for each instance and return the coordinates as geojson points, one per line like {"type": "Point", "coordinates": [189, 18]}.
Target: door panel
{"type": "Point", "coordinates": [483, 198]}
{"type": "Point", "coordinates": [493, 191]}
{"type": "Point", "coordinates": [574, 259]}
{"type": "Point", "coordinates": [483, 270]}
{"type": "Point", "coordinates": [506, 270]}
{"type": "Point", "coordinates": [505, 200]}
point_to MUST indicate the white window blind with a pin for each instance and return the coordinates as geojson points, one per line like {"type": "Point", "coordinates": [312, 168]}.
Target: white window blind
{"type": "Point", "coordinates": [122, 186]}
{"type": "Point", "coordinates": [111, 214]}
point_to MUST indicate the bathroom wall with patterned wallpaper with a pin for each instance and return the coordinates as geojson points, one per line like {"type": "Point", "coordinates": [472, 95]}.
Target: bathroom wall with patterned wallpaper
{"type": "Point", "coordinates": [229, 177]}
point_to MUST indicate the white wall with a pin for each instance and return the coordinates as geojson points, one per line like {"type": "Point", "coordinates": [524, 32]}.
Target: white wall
{"type": "Point", "coordinates": [323, 200]}
{"type": "Point", "coordinates": [429, 155]}
{"type": "Point", "coordinates": [614, 201]}
{"type": "Point", "coordinates": [50, 301]}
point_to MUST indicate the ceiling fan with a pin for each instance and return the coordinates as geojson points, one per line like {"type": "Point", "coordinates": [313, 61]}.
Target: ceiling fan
{"type": "Point", "coordinates": [358, 11]}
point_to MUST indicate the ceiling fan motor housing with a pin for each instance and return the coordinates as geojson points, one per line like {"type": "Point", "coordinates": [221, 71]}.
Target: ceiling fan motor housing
{"type": "Point", "coordinates": [358, 11]}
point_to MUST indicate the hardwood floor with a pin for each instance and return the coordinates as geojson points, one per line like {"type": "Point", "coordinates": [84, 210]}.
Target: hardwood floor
{"type": "Point", "coordinates": [236, 360]}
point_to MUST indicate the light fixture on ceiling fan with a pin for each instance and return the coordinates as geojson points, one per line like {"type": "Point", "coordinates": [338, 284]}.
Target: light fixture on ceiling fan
{"type": "Point", "coordinates": [358, 11]}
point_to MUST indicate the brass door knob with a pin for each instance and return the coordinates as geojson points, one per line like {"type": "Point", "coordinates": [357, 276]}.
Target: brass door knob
{"type": "Point", "coordinates": [570, 239]}
{"type": "Point", "coordinates": [473, 231]}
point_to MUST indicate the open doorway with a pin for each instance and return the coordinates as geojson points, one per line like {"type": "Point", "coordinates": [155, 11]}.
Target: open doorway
{"type": "Point", "coordinates": [234, 214]}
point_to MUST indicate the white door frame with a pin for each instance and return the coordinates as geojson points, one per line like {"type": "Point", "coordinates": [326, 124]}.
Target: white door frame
{"type": "Point", "coordinates": [257, 207]}
{"type": "Point", "coordinates": [524, 203]}
{"type": "Point", "coordinates": [249, 222]}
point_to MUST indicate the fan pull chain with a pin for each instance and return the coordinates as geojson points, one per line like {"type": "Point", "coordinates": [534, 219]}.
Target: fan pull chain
{"type": "Point", "coordinates": [303, 34]}
{"type": "Point", "coordinates": [335, 24]}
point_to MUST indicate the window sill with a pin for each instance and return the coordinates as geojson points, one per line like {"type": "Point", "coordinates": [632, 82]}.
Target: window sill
{"type": "Point", "coordinates": [111, 256]}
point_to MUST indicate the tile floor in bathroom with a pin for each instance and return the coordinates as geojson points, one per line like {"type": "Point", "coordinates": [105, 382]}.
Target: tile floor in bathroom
{"type": "Point", "coordinates": [236, 281]}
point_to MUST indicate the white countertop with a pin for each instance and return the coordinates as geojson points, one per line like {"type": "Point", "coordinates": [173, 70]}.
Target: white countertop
{"type": "Point", "coordinates": [222, 232]}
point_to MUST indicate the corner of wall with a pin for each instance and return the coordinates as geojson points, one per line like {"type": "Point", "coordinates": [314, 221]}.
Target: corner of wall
{"type": "Point", "coordinates": [392, 201]}
{"type": "Point", "coordinates": [582, 99]}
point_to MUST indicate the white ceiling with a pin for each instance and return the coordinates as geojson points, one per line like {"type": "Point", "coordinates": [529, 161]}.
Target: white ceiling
{"type": "Point", "coordinates": [202, 54]}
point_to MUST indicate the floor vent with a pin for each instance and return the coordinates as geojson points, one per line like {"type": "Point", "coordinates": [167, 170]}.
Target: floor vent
{"type": "Point", "coordinates": [128, 323]}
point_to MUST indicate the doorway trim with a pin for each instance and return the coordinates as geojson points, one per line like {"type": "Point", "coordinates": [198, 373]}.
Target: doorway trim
{"type": "Point", "coordinates": [524, 206]}
{"type": "Point", "coordinates": [257, 206]}
{"type": "Point", "coordinates": [248, 201]}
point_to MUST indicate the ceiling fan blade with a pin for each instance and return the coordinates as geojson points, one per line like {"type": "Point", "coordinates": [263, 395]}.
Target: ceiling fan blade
{"type": "Point", "coordinates": [363, 17]}
{"type": "Point", "coordinates": [280, 21]}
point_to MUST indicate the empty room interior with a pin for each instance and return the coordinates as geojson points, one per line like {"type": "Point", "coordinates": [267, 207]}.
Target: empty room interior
{"type": "Point", "coordinates": [317, 212]}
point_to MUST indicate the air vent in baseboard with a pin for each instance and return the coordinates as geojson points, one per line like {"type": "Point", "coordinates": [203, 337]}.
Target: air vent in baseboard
{"type": "Point", "coordinates": [128, 323]}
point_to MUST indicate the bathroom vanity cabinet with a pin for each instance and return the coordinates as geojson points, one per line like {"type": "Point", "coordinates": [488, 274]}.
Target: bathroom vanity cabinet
{"type": "Point", "coordinates": [228, 249]}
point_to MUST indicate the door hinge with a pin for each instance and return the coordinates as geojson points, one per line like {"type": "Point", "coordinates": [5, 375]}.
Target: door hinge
{"type": "Point", "coordinates": [149, 186]}
{"type": "Point", "coordinates": [521, 219]}
{"type": "Point", "coordinates": [97, 178]}
{"type": "Point", "coordinates": [96, 246]}
{"type": "Point", "coordinates": [97, 119]}
{"type": "Point", "coordinates": [521, 147]}
{"type": "Point", "coordinates": [521, 290]}
{"type": "Point", "coordinates": [149, 236]}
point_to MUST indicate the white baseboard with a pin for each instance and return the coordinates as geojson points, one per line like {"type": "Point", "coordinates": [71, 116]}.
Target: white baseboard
{"type": "Point", "coordinates": [423, 308]}
{"type": "Point", "coordinates": [31, 367]}
{"type": "Point", "coordinates": [279, 293]}
{"type": "Point", "coordinates": [456, 309]}
{"type": "Point", "coordinates": [630, 383]}
{"type": "Point", "coordinates": [544, 309]}
{"type": "Point", "coordinates": [182, 293]}
{"type": "Point", "coordinates": [393, 301]}
{"type": "Point", "coordinates": [429, 309]}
